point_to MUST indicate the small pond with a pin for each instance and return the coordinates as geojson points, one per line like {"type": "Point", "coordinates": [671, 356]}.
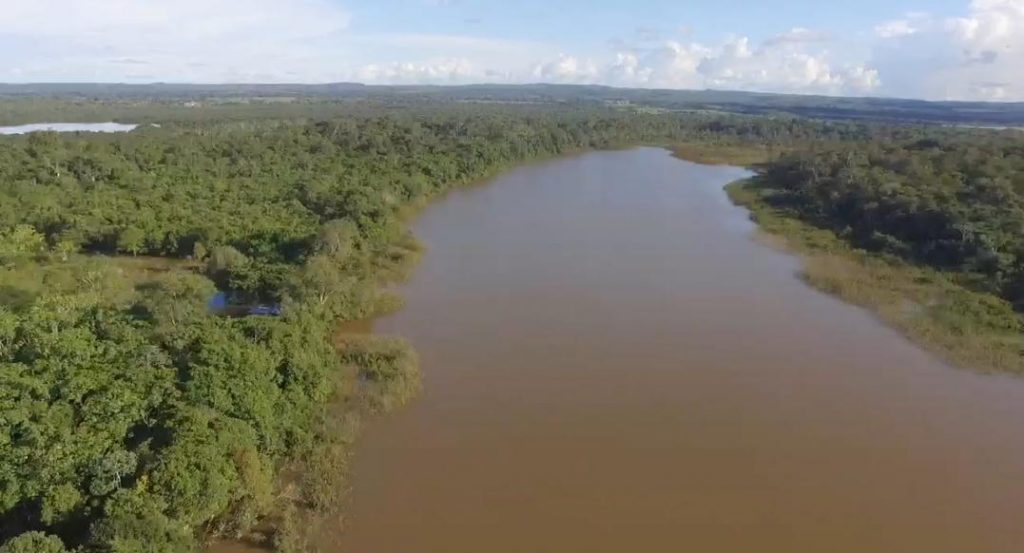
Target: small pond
{"type": "Point", "coordinates": [221, 303]}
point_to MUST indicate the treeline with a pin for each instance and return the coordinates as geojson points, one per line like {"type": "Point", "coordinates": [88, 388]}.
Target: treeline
{"type": "Point", "coordinates": [253, 199]}
{"type": "Point", "coordinates": [953, 202]}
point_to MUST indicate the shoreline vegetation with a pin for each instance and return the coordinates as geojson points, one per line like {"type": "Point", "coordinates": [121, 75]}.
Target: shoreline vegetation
{"type": "Point", "coordinates": [741, 155]}
{"type": "Point", "coordinates": [969, 329]}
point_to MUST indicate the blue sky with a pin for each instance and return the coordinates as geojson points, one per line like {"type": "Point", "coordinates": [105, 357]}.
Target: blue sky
{"type": "Point", "coordinates": [936, 49]}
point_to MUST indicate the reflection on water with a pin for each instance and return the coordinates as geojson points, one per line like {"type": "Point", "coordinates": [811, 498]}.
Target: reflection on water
{"type": "Point", "coordinates": [67, 127]}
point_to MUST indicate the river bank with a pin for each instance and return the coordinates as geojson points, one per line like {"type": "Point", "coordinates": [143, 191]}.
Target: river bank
{"type": "Point", "coordinates": [742, 155]}
{"type": "Point", "coordinates": [972, 330]}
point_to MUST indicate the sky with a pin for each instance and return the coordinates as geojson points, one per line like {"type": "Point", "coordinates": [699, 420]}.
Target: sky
{"type": "Point", "coordinates": [929, 49]}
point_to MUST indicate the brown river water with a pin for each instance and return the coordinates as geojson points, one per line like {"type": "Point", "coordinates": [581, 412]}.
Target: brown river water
{"type": "Point", "coordinates": [612, 363]}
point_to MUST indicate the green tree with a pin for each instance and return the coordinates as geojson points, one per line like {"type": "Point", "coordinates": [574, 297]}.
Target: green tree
{"type": "Point", "coordinates": [337, 239]}
{"type": "Point", "coordinates": [33, 542]}
{"type": "Point", "coordinates": [107, 471]}
{"type": "Point", "coordinates": [19, 243]}
{"type": "Point", "coordinates": [176, 298]}
{"type": "Point", "coordinates": [322, 282]}
{"type": "Point", "coordinates": [134, 522]}
{"type": "Point", "coordinates": [223, 262]}
{"type": "Point", "coordinates": [131, 240]}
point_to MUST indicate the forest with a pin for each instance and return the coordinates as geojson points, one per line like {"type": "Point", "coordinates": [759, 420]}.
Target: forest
{"type": "Point", "coordinates": [135, 419]}
{"type": "Point", "coordinates": [926, 232]}
{"type": "Point", "coordinates": [954, 204]}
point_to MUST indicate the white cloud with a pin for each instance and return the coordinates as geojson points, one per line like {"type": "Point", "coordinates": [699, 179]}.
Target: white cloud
{"type": "Point", "coordinates": [626, 68]}
{"type": "Point", "coordinates": [670, 65]}
{"type": "Point", "coordinates": [782, 64]}
{"type": "Point", "coordinates": [794, 61]}
{"type": "Point", "coordinates": [977, 56]}
{"type": "Point", "coordinates": [425, 58]}
{"type": "Point", "coordinates": [441, 71]}
{"type": "Point", "coordinates": [566, 69]}
{"type": "Point", "coordinates": [860, 79]}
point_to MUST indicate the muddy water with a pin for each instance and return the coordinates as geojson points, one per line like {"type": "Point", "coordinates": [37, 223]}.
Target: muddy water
{"type": "Point", "coordinates": [613, 364]}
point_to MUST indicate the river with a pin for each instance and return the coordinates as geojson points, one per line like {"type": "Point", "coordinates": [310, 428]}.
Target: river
{"type": "Point", "coordinates": [612, 363]}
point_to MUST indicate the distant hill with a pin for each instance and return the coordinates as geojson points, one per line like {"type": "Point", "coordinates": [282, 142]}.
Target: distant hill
{"type": "Point", "coordinates": [824, 107]}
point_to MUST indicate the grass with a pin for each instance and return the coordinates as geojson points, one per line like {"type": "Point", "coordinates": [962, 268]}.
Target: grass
{"type": "Point", "coordinates": [968, 329]}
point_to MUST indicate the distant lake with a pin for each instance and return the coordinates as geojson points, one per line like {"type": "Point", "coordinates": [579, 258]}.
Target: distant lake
{"type": "Point", "coordinates": [68, 127]}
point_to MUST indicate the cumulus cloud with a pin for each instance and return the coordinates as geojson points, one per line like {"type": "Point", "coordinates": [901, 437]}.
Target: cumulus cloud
{"type": "Point", "coordinates": [441, 71]}
{"type": "Point", "coordinates": [786, 63]}
{"type": "Point", "coordinates": [566, 69]}
{"type": "Point", "coordinates": [784, 67]}
{"type": "Point", "coordinates": [977, 56]}
{"type": "Point", "coordinates": [671, 65]}
{"type": "Point", "coordinates": [426, 58]}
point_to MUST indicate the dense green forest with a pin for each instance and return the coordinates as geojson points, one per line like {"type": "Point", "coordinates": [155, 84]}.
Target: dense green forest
{"type": "Point", "coordinates": [925, 231]}
{"type": "Point", "coordinates": [253, 199]}
{"type": "Point", "coordinates": [954, 204]}
{"type": "Point", "coordinates": [136, 419]}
